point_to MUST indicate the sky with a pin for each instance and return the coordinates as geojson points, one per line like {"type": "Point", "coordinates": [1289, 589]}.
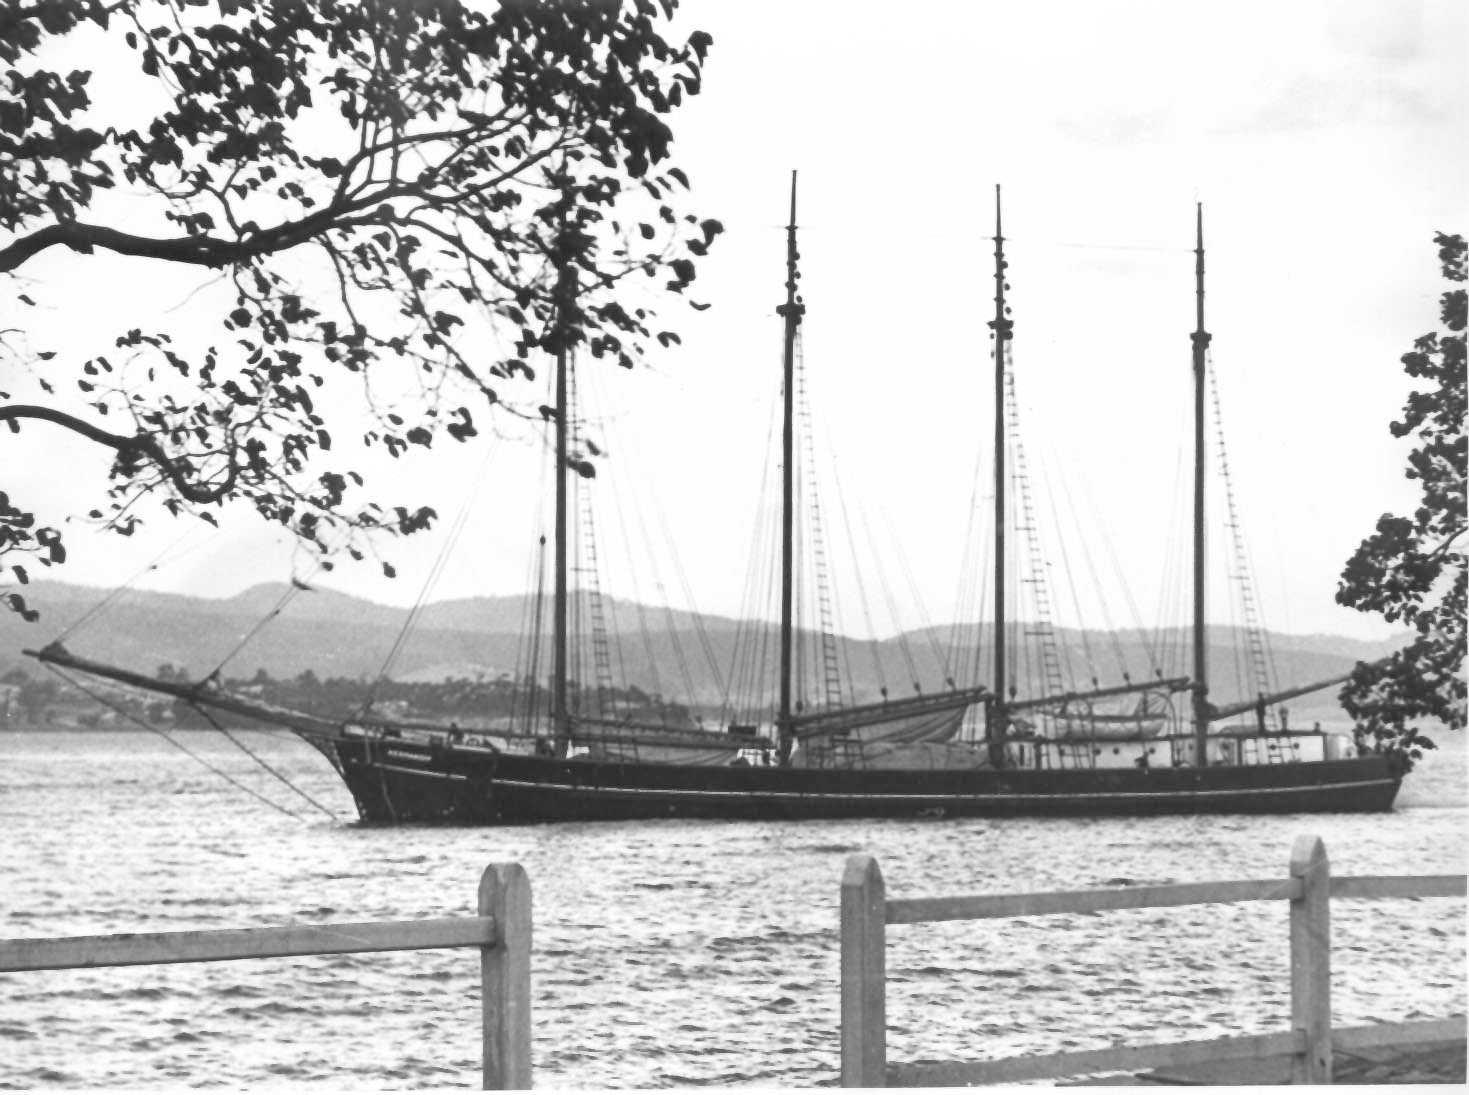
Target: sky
{"type": "Point", "coordinates": [1324, 139]}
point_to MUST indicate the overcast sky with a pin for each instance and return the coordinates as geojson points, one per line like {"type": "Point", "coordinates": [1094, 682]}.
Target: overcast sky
{"type": "Point", "coordinates": [1325, 139]}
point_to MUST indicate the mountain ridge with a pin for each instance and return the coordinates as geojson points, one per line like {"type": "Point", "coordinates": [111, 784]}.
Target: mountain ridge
{"type": "Point", "coordinates": [337, 634]}
{"type": "Point", "coordinates": [261, 597]}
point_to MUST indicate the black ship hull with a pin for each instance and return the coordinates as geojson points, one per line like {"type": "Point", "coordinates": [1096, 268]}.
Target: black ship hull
{"type": "Point", "coordinates": [404, 782]}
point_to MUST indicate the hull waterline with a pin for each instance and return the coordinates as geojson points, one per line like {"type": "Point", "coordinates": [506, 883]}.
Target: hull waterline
{"type": "Point", "coordinates": [402, 783]}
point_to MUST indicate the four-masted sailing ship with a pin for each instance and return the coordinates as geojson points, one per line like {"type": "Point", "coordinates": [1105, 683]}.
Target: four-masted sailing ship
{"type": "Point", "coordinates": [894, 758]}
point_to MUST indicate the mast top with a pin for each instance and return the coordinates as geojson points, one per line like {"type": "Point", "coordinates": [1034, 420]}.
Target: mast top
{"type": "Point", "coordinates": [1201, 337]}
{"type": "Point", "coordinates": [1001, 325]}
{"type": "Point", "coordinates": [793, 309]}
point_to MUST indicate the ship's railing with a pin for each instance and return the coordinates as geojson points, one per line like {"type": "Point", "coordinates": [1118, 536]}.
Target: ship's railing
{"type": "Point", "coordinates": [866, 911]}
{"type": "Point", "coordinates": [501, 933]}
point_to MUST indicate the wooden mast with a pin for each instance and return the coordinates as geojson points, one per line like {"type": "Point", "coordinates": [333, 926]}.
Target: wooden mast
{"type": "Point", "coordinates": [791, 311]}
{"type": "Point", "coordinates": [997, 718]}
{"type": "Point", "coordinates": [560, 716]}
{"type": "Point", "coordinates": [1200, 339]}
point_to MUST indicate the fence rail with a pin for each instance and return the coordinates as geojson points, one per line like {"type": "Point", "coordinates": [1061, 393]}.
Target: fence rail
{"type": "Point", "coordinates": [501, 933]}
{"type": "Point", "coordinates": [164, 948]}
{"type": "Point", "coordinates": [1309, 887]}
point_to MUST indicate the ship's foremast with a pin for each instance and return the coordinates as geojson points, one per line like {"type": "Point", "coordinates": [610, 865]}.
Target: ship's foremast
{"type": "Point", "coordinates": [560, 713]}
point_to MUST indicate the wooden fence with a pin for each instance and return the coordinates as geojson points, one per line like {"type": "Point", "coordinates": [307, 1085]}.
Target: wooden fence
{"type": "Point", "coordinates": [1309, 887]}
{"type": "Point", "coordinates": [501, 932]}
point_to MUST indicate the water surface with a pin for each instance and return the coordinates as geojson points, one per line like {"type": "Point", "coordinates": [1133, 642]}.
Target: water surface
{"type": "Point", "coordinates": [666, 953]}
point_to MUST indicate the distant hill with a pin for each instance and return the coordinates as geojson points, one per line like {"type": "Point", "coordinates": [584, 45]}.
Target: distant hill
{"type": "Point", "coordinates": [657, 649]}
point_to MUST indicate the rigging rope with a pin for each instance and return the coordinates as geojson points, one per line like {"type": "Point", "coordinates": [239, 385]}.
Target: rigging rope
{"type": "Point", "coordinates": [1044, 630]}
{"type": "Point", "coordinates": [964, 597]}
{"type": "Point", "coordinates": [259, 759]}
{"type": "Point", "coordinates": [157, 560]}
{"type": "Point", "coordinates": [980, 588]}
{"type": "Point", "coordinates": [766, 638]}
{"type": "Point", "coordinates": [741, 648]}
{"type": "Point", "coordinates": [981, 581]}
{"type": "Point", "coordinates": [644, 631]}
{"type": "Point", "coordinates": [857, 568]}
{"type": "Point", "coordinates": [700, 625]}
{"type": "Point", "coordinates": [925, 620]}
{"type": "Point", "coordinates": [1260, 657]}
{"type": "Point", "coordinates": [1168, 634]}
{"type": "Point", "coordinates": [701, 632]}
{"type": "Point", "coordinates": [295, 586]}
{"type": "Point", "coordinates": [259, 625]}
{"type": "Point", "coordinates": [1117, 651]}
{"type": "Point", "coordinates": [128, 715]}
{"type": "Point", "coordinates": [533, 702]}
{"type": "Point", "coordinates": [1241, 676]}
{"type": "Point", "coordinates": [601, 647]}
{"type": "Point", "coordinates": [1273, 676]}
{"type": "Point", "coordinates": [892, 606]}
{"type": "Point", "coordinates": [533, 640]}
{"type": "Point", "coordinates": [523, 653]}
{"type": "Point", "coordinates": [1086, 644]}
{"type": "Point", "coordinates": [831, 673]}
{"type": "Point", "coordinates": [1132, 607]}
{"type": "Point", "coordinates": [435, 572]}
{"type": "Point", "coordinates": [800, 636]}
{"type": "Point", "coordinates": [626, 498]}
{"type": "Point", "coordinates": [839, 638]}
{"type": "Point", "coordinates": [753, 630]}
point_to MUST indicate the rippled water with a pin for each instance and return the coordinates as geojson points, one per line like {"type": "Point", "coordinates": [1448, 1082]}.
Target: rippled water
{"type": "Point", "coordinates": [666, 953]}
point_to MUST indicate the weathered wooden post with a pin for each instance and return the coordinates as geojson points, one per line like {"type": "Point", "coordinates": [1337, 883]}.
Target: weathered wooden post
{"type": "Point", "coordinates": [504, 893]}
{"type": "Point", "coordinates": [864, 973]}
{"type": "Point", "coordinates": [1310, 960]}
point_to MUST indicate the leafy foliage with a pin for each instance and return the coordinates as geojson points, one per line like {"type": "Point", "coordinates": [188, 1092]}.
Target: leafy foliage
{"type": "Point", "coordinates": [1411, 570]}
{"type": "Point", "coordinates": [402, 193]}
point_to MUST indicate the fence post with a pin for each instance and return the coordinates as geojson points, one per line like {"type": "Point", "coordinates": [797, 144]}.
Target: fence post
{"type": "Point", "coordinates": [864, 973]}
{"type": "Point", "coordinates": [504, 893]}
{"type": "Point", "coordinates": [1310, 960]}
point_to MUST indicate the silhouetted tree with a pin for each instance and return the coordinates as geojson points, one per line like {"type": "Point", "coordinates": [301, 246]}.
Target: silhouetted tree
{"type": "Point", "coordinates": [384, 184]}
{"type": "Point", "coordinates": [1411, 570]}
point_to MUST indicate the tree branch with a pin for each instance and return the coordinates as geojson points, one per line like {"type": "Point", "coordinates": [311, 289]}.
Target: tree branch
{"type": "Point", "coordinates": [216, 252]}
{"type": "Point", "coordinates": [200, 250]}
{"type": "Point", "coordinates": [197, 250]}
{"type": "Point", "coordinates": [140, 445]}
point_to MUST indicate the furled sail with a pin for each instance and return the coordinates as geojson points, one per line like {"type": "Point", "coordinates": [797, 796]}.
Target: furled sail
{"type": "Point", "coordinates": [650, 743]}
{"type": "Point", "coordinates": [912, 733]}
{"type": "Point", "coordinates": [1148, 718]}
{"type": "Point", "coordinates": [1100, 713]}
{"type": "Point", "coordinates": [935, 717]}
